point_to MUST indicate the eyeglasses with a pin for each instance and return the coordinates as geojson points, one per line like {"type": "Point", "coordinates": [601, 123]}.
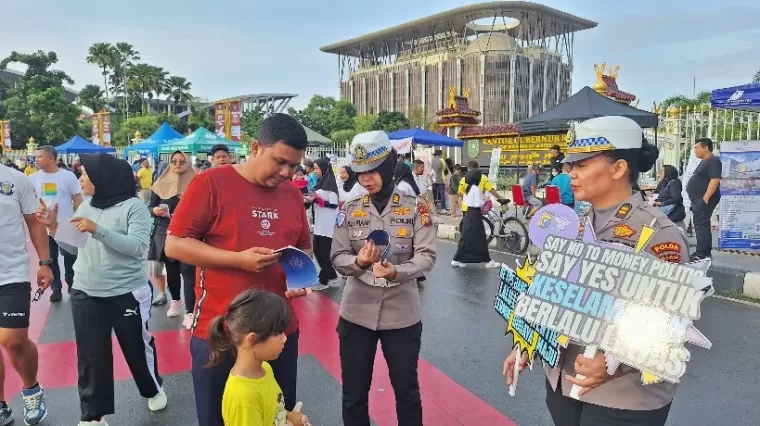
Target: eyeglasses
{"type": "Point", "coordinates": [178, 162]}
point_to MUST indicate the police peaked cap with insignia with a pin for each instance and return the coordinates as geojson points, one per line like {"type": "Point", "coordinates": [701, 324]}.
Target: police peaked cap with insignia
{"type": "Point", "coordinates": [602, 134]}
{"type": "Point", "coordinates": [368, 150]}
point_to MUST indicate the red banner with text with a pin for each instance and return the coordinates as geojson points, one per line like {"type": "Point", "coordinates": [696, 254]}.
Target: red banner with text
{"type": "Point", "coordinates": [220, 119]}
{"type": "Point", "coordinates": [236, 120]}
{"type": "Point", "coordinates": [96, 129]}
{"type": "Point", "coordinates": [105, 128]}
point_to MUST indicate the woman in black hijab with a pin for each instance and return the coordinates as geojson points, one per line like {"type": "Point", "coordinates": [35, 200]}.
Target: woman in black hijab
{"type": "Point", "coordinates": [381, 300]}
{"type": "Point", "coordinates": [111, 293]}
{"type": "Point", "coordinates": [669, 198]}
{"type": "Point", "coordinates": [325, 203]}
{"type": "Point", "coordinates": [473, 247]}
{"type": "Point", "coordinates": [405, 180]}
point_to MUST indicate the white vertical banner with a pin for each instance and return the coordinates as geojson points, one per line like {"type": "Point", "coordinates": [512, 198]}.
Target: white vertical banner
{"type": "Point", "coordinates": [402, 146]}
{"type": "Point", "coordinates": [493, 168]}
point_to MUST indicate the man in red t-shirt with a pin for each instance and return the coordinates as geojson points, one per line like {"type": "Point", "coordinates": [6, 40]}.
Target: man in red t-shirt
{"type": "Point", "coordinates": [228, 223]}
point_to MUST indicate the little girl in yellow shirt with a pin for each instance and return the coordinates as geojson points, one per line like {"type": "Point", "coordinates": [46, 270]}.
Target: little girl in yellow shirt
{"type": "Point", "coordinates": [254, 327]}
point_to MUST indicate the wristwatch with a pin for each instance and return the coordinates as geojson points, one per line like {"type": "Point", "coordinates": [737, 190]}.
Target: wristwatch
{"type": "Point", "coordinates": [47, 262]}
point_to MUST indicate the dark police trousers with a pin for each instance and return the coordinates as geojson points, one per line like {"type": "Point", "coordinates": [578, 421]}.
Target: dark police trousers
{"type": "Point", "coordinates": [401, 349]}
{"type": "Point", "coordinates": [208, 382]}
{"type": "Point", "coordinates": [702, 215]}
{"type": "Point", "coordinates": [571, 412]}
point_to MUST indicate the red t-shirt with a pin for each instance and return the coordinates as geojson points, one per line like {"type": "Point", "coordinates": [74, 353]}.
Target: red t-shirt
{"type": "Point", "coordinates": [226, 211]}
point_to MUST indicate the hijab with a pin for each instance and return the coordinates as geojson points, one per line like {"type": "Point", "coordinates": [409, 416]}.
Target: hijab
{"type": "Point", "coordinates": [171, 184]}
{"type": "Point", "coordinates": [472, 178]}
{"type": "Point", "coordinates": [385, 169]}
{"type": "Point", "coordinates": [402, 173]}
{"type": "Point", "coordinates": [327, 182]}
{"type": "Point", "coordinates": [113, 179]}
{"type": "Point", "coordinates": [348, 185]}
{"type": "Point", "coordinates": [670, 173]}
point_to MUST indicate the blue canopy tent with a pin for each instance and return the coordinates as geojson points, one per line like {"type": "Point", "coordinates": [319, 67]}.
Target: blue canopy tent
{"type": "Point", "coordinates": [149, 146]}
{"type": "Point", "coordinates": [425, 137]}
{"type": "Point", "coordinates": [743, 98]}
{"type": "Point", "coordinates": [80, 145]}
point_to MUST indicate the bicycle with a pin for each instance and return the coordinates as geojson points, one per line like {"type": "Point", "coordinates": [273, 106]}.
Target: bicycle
{"type": "Point", "coordinates": [504, 226]}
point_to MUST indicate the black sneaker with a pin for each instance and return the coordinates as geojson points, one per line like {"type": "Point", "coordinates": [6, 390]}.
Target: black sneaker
{"type": "Point", "coordinates": [6, 415]}
{"type": "Point", "coordinates": [55, 297]}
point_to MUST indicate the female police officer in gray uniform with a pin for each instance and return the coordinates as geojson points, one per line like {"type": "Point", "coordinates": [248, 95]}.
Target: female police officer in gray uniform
{"type": "Point", "coordinates": [607, 155]}
{"type": "Point", "coordinates": [381, 298]}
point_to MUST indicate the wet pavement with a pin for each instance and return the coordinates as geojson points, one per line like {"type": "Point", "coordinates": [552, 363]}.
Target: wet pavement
{"type": "Point", "coordinates": [463, 348]}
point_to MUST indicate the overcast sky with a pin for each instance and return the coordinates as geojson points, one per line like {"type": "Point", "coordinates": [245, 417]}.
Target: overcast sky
{"type": "Point", "coordinates": [227, 48]}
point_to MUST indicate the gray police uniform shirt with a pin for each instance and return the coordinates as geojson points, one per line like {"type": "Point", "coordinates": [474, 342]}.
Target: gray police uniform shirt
{"type": "Point", "coordinates": [376, 303]}
{"type": "Point", "coordinates": [622, 224]}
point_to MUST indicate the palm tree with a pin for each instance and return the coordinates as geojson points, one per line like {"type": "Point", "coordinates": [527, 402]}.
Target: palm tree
{"type": "Point", "coordinates": [126, 54]}
{"type": "Point", "coordinates": [158, 85]}
{"type": "Point", "coordinates": [91, 96]}
{"type": "Point", "coordinates": [140, 80]}
{"type": "Point", "coordinates": [104, 56]}
{"type": "Point", "coordinates": [179, 90]}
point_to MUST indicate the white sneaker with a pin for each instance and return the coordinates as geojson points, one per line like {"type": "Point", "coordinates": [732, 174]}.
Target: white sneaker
{"type": "Point", "coordinates": [188, 321]}
{"type": "Point", "coordinates": [493, 264]}
{"type": "Point", "coordinates": [174, 308]}
{"type": "Point", "coordinates": [456, 264]}
{"type": "Point", "coordinates": [158, 402]}
{"type": "Point", "coordinates": [101, 422]}
{"type": "Point", "coordinates": [320, 287]}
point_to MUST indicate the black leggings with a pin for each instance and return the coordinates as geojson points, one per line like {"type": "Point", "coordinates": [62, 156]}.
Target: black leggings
{"type": "Point", "coordinates": [176, 272]}
{"type": "Point", "coordinates": [321, 248]}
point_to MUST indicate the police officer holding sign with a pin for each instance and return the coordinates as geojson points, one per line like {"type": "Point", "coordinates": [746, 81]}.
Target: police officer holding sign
{"type": "Point", "coordinates": [381, 299]}
{"type": "Point", "coordinates": [607, 155]}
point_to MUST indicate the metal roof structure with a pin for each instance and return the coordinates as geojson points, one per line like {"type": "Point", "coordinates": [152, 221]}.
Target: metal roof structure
{"type": "Point", "coordinates": [12, 76]}
{"type": "Point", "coordinates": [536, 22]}
{"type": "Point", "coordinates": [270, 103]}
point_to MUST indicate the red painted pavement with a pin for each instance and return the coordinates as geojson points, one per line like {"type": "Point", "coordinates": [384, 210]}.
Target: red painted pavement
{"type": "Point", "coordinates": [445, 402]}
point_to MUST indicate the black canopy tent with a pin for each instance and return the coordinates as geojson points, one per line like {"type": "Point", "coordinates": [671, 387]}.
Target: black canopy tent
{"type": "Point", "coordinates": [582, 106]}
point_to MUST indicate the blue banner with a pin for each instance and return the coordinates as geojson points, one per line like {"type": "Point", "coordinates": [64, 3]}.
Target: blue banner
{"type": "Point", "coordinates": [740, 196]}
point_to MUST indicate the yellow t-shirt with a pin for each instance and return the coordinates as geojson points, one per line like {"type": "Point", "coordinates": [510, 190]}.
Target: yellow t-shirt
{"type": "Point", "coordinates": [485, 185]}
{"type": "Point", "coordinates": [253, 402]}
{"type": "Point", "coordinates": [146, 177]}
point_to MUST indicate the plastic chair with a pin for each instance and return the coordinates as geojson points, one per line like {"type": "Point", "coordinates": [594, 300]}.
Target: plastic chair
{"type": "Point", "coordinates": [552, 195]}
{"type": "Point", "coordinates": [518, 198]}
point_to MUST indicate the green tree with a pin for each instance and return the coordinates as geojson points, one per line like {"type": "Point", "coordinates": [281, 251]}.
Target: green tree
{"type": "Point", "coordinates": [145, 124]}
{"type": "Point", "coordinates": [125, 57]}
{"type": "Point", "coordinates": [200, 117]}
{"type": "Point", "coordinates": [682, 101]}
{"type": "Point", "coordinates": [251, 122]}
{"type": "Point", "coordinates": [140, 83]}
{"type": "Point", "coordinates": [391, 121]}
{"type": "Point", "coordinates": [756, 78]}
{"type": "Point", "coordinates": [92, 97]}
{"type": "Point", "coordinates": [104, 55]}
{"type": "Point", "coordinates": [37, 105]}
{"type": "Point", "coordinates": [343, 137]}
{"type": "Point", "coordinates": [179, 90]}
{"type": "Point", "coordinates": [364, 123]}
{"type": "Point", "coordinates": [158, 85]}
{"type": "Point", "coordinates": [417, 118]}
{"type": "Point", "coordinates": [341, 117]}
{"type": "Point", "coordinates": [316, 115]}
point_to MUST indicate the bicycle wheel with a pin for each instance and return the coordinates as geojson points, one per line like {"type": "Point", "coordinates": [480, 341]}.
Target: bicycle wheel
{"type": "Point", "coordinates": [488, 225]}
{"type": "Point", "coordinates": [515, 235]}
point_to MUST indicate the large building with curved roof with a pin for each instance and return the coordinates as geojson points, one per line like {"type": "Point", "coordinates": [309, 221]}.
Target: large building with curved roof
{"type": "Point", "coordinates": [514, 58]}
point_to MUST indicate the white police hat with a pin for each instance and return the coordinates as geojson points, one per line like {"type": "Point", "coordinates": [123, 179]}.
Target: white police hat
{"type": "Point", "coordinates": [368, 150]}
{"type": "Point", "coordinates": [602, 134]}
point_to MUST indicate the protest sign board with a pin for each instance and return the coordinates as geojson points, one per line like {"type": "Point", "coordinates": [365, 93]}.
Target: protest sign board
{"type": "Point", "coordinates": [633, 306]}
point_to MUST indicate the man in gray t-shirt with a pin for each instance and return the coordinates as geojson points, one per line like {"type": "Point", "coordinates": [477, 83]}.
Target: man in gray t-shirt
{"type": "Point", "coordinates": [530, 183]}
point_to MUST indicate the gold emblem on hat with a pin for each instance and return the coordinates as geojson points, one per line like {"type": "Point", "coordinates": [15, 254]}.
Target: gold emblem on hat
{"type": "Point", "coordinates": [360, 153]}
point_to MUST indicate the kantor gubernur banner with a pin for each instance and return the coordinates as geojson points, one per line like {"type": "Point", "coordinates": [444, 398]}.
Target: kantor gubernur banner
{"type": "Point", "coordinates": [636, 308]}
